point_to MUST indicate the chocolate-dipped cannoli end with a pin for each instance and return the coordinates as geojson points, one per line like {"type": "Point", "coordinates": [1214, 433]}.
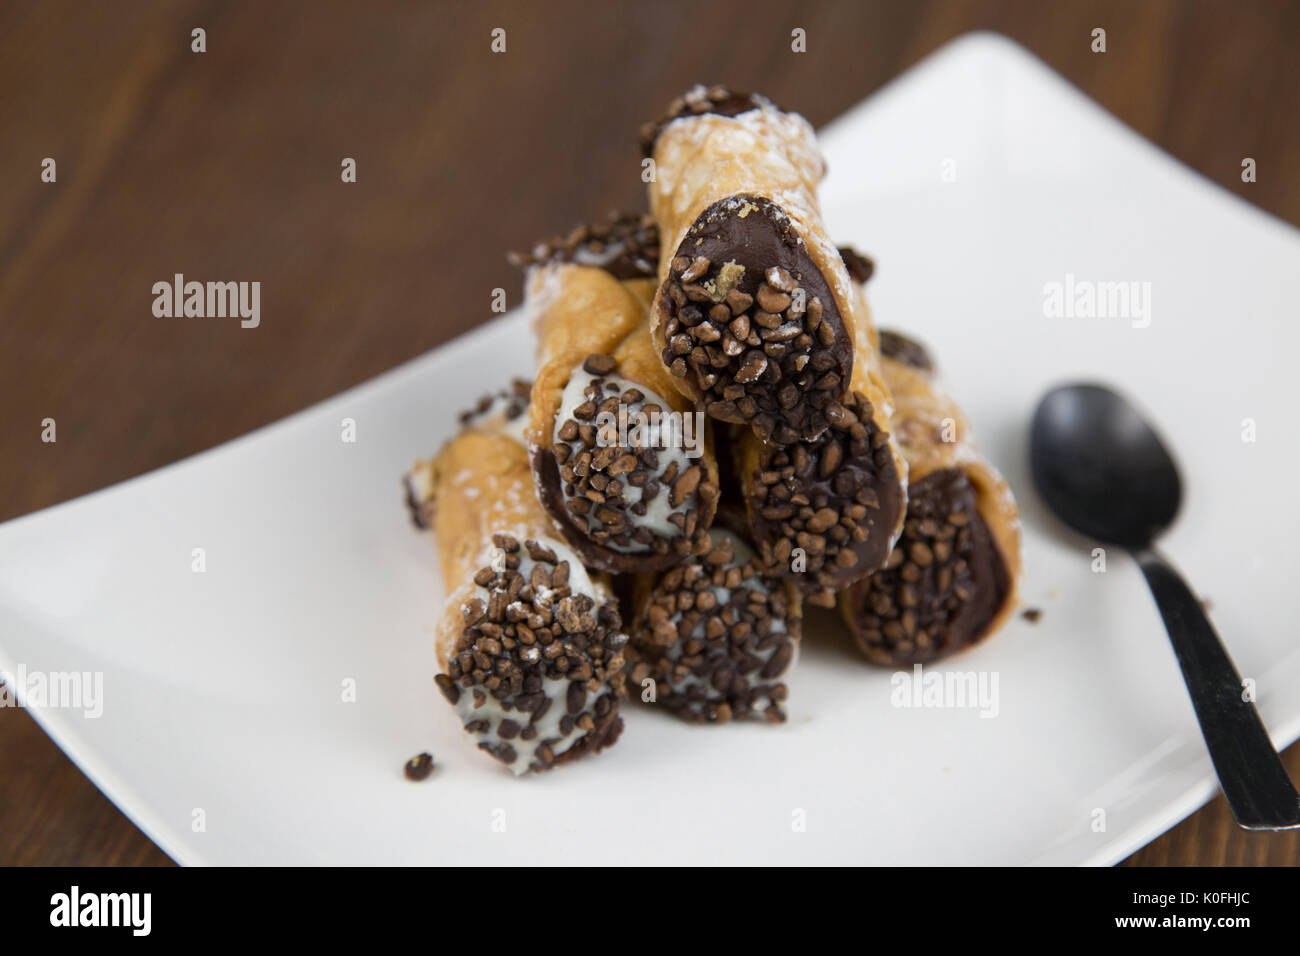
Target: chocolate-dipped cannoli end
{"type": "Point", "coordinates": [697, 101]}
{"type": "Point", "coordinates": [944, 586]}
{"type": "Point", "coordinates": [418, 494]}
{"type": "Point", "coordinates": [626, 246]}
{"type": "Point", "coordinates": [507, 405]}
{"type": "Point", "coordinates": [716, 634]}
{"type": "Point", "coordinates": [908, 351]}
{"type": "Point", "coordinates": [826, 512]}
{"type": "Point", "coordinates": [624, 477]}
{"type": "Point", "coordinates": [759, 341]}
{"type": "Point", "coordinates": [536, 672]}
{"type": "Point", "coordinates": [504, 411]}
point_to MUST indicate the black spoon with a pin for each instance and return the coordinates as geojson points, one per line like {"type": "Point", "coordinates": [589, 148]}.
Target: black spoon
{"type": "Point", "coordinates": [1104, 472]}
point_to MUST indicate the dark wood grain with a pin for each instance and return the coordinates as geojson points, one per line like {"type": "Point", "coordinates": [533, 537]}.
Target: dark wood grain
{"type": "Point", "coordinates": [226, 165]}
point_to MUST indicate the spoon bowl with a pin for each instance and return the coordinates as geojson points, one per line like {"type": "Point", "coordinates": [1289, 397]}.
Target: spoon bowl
{"type": "Point", "coordinates": [1101, 468]}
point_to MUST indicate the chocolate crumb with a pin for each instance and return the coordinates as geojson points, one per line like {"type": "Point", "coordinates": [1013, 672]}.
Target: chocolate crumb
{"type": "Point", "coordinates": [1032, 614]}
{"type": "Point", "coordinates": [861, 268]}
{"type": "Point", "coordinates": [419, 767]}
{"type": "Point", "coordinates": [900, 348]}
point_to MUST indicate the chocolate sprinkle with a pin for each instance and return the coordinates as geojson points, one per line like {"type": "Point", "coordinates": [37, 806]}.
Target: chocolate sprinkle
{"type": "Point", "coordinates": [716, 637]}
{"type": "Point", "coordinates": [528, 629]}
{"type": "Point", "coordinates": [861, 268]}
{"type": "Point", "coordinates": [419, 767]}
{"type": "Point", "coordinates": [943, 584]}
{"type": "Point", "coordinates": [752, 323]}
{"type": "Point", "coordinates": [838, 498]}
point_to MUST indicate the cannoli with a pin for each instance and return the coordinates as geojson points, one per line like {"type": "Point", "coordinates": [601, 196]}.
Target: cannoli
{"type": "Point", "coordinates": [828, 511]}
{"type": "Point", "coordinates": [716, 634]}
{"type": "Point", "coordinates": [755, 311]}
{"type": "Point", "coordinates": [622, 462]}
{"type": "Point", "coordinates": [951, 578]}
{"type": "Point", "coordinates": [530, 645]}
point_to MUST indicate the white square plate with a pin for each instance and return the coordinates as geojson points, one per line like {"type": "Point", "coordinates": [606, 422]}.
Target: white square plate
{"type": "Point", "coordinates": [223, 690]}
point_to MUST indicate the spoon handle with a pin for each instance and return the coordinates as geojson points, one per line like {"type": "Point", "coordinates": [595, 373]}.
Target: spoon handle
{"type": "Point", "coordinates": [1255, 783]}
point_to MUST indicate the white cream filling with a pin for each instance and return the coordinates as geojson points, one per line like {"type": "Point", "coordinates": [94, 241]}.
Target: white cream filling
{"type": "Point", "coordinates": [548, 728]}
{"type": "Point", "coordinates": [661, 435]}
{"type": "Point", "coordinates": [586, 256]}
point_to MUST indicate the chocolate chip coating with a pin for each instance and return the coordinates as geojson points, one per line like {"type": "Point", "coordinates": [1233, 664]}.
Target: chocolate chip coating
{"type": "Point", "coordinates": [698, 101]}
{"type": "Point", "coordinates": [837, 499]}
{"type": "Point", "coordinates": [626, 246]}
{"type": "Point", "coordinates": [527, 640]}
{"type": "Point", "coordinates": [944, 583]}
{"type": "Point", "coordinates": [751, 323]}
{"type": "Point", "coordinates": [624, 500]}
{"type": "Point", "coordinates": [717, 636]}
{"type": "Point", "coordinates": [664, 554]}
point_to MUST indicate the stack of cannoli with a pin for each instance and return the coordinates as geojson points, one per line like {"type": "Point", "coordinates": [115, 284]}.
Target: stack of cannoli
{"type": "Point", "coordinates": [716, 436]}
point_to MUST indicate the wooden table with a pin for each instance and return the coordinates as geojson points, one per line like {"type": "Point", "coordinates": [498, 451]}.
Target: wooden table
{"type": "Point", "coordinates": [226, 164]}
